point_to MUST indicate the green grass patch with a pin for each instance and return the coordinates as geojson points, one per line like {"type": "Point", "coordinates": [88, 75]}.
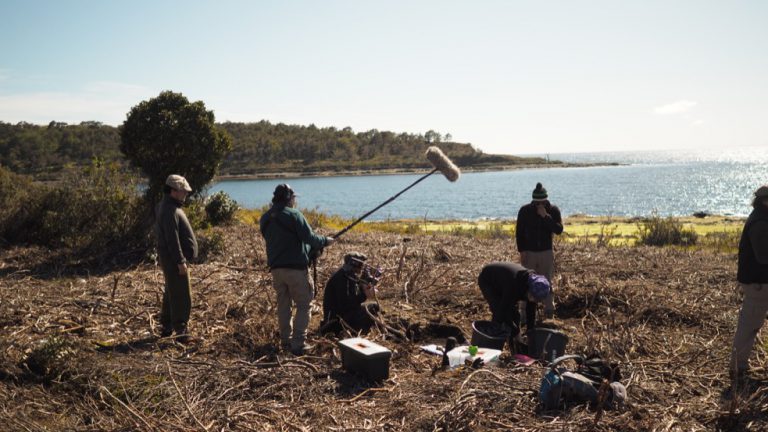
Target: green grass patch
{"type": "Point", "coordinates": [718, 233]}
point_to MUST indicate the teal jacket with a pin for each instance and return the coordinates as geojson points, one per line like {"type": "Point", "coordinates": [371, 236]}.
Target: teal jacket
{"type": "Point", "coordinates": [289, 237]}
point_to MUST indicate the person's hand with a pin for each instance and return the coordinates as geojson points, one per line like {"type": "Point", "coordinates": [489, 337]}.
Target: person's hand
{"type": "Point", "coordinates": [541, 210]}
{"type": "Point", "coordinates": [520, 339]}
{"type": "Point", "coordinates": [329, 241]}
{"type": "Point", "coordinates": [369, 291]}
{"type": "Point", "coordinates": [182, 269]}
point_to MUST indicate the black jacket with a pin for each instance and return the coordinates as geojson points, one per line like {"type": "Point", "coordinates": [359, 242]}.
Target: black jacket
{"type": "Point", "coordinates": [753, 248]}
{"type": "Point", "coordinates": [342, 295]}
{"type": "Point", "coordinates": [533, 232]}
{"type": "Point", "coordinates": [505, 284]}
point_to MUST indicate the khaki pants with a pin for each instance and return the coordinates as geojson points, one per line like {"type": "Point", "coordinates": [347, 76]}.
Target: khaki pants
{"type": "Point", "coordinates": [177, 298]}
{"type": "Point", "coordinates": [751, 319]}
{"type": "Point", "coordinates": [293, 288]}
{"type": "Point", "coordinates": [542, 263]}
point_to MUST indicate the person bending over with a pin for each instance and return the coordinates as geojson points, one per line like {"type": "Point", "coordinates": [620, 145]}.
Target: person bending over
{"type": "Point", "coordinates": [503, 285]}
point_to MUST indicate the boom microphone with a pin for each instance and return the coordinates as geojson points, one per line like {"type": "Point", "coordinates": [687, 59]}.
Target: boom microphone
{"type": "Point", "coordinates": [441, 162]}
{"type": "Point", "coordinates": [438, 160]}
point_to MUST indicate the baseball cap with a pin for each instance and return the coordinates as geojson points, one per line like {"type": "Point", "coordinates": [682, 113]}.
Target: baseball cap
{"type": "Point", "coordinates": [178, 182]}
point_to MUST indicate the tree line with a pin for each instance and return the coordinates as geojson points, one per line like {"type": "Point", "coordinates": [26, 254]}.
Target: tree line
{"type": "Point", "coordinates": [257, 148]}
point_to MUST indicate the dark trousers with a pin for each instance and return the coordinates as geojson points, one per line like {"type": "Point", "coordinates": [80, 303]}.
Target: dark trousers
{"type": "Point", "coordinates": [500, 313]}
{"type": "Point", "coordinates": [177, 298]}
{"type": "Point", "coordinates": [503, 314]}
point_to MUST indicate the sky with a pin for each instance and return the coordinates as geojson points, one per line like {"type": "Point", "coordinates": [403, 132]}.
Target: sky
{"type": "Point", "coordinates": [509, 77]}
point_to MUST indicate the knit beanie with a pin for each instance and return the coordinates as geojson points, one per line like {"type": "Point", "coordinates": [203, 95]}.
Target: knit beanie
{"type": "Point", "coordinates": [539, 193]}
{"type": "Point", "coordinates": [538, 286]}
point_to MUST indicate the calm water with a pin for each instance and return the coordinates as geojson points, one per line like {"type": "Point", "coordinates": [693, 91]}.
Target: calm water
{"type": "Point", "coordinates": [669, 183]}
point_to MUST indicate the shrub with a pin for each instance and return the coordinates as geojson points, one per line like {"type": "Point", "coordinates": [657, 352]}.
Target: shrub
{"type": "Point", "coordinates": [96, 210]}
{"type": "Point", "coordinates": [726, 241]}
{"type": "Point", "coordinates": [221, 208]}
{"type": "Point", "coordinates": [49, 360]}
{"type": "Point", "coordinates": [605, 236]}
{"type": "Point", "coordinates": [15, 192]}
{"type": "Point", "coordinates": [496, 230]}
{"type": "Point", "coordinates": [209, 244]}
{"type": "Point", "coordinates": [168, 134]}
{"type": "Point", "coordinates": [194, 208]}
{"type": "Point", "coordinates": [657, 231]}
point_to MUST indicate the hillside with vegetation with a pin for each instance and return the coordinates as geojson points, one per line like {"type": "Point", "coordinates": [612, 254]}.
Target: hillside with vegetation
{"type": "Point", "coordinates": [257, 148]}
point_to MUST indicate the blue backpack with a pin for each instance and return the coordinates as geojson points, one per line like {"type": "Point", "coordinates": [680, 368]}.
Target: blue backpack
{"type": "Point", "coordinates": [583, 384]}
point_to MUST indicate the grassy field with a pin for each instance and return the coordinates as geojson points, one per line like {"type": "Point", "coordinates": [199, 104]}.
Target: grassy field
{"type": "Point", "coordinates": [720, 233]}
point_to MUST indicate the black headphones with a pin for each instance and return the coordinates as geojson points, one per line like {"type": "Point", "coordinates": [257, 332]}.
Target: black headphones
{"type": "Point", "coordinates": [283, 192]}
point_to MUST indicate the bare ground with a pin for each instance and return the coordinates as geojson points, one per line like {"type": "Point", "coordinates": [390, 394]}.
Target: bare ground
{"type": "Point", "coordinates": [82, 353]}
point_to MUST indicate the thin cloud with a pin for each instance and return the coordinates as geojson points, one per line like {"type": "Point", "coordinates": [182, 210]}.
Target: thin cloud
{"type": "Point", "coordinates": [111, 87]}
{"type": "Point", "coordinates": [106, 102]}
{"type": "Point", "coordinates": [677, 107]}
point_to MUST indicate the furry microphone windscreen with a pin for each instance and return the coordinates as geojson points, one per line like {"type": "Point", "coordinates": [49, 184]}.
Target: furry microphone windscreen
{"type": "Point", "coordinates": [440, 161]}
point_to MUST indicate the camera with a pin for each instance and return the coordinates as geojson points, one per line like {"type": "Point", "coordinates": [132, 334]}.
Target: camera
{"type": "Point", "coordinates": [370, 275]}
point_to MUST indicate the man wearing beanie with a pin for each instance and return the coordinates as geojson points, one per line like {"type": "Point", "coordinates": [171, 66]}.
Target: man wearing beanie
{"type": "Point", "coordinates": [176, 245]}
{"type": "Point", "coordinates": [752, 275]}
{"type": "Point", "coordinates": [503, 285]}
{"type": "Point", "coordinates": [290, 240]}
{"type": "Point", "coordinates": [537, 222]}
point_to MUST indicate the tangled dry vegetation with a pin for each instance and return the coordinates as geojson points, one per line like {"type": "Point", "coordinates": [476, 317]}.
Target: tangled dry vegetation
{"type": "Point", "coordinates": [80, 352]}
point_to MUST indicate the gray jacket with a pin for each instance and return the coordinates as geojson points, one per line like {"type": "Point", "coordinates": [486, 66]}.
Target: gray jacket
{"type": "Point", "coordinates": [176, 242]}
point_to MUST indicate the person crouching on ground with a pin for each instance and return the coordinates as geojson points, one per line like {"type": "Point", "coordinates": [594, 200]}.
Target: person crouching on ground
{"type": "Point", "coordinates": [503, 285]}
{"type": "Point", "coordinates": [289, 240]}
{"type": "Point", "coordinates": [176, 245]}
{"type": "Point", "coordinates": [344, 296]}
{"type": "Point", "coordinates": [752, 275]}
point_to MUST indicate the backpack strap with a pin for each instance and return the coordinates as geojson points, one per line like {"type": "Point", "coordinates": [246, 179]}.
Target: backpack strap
{"type": "Point", "coordinates": [579, 359]}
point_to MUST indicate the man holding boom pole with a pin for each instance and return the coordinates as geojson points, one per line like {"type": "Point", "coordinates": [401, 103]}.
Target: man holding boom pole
{"type": "Point", "coordinates": [290, 240]}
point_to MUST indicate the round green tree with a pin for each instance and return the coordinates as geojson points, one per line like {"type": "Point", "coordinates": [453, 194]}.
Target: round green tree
{"type": "Point", "coordinates": [170, 135]}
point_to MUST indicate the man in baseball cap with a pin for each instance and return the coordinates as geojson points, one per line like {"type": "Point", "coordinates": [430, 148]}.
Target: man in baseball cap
{"type": "Point", "coordinates": [176, 245]}
{"type": "Point", "coordinates": [178, 182]}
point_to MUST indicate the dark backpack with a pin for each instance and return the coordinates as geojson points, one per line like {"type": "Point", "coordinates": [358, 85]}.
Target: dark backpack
{"type": "Point", "coordinates": [597, 369]}
{"type": "Point", "coordinates": [581, 384]}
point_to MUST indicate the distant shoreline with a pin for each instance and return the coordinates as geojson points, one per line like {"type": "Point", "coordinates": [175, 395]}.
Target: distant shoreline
{"type": "Point", "coordinates": [397, 171]}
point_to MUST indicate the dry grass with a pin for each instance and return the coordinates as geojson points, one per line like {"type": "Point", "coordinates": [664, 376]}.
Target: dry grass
{"type": "Point", "coordinates": [81, 352]}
